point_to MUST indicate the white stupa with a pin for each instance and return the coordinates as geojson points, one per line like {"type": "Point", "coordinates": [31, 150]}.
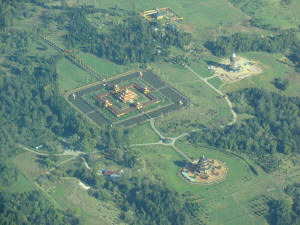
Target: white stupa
{"type": "Point", "coordinates": [233, 63]}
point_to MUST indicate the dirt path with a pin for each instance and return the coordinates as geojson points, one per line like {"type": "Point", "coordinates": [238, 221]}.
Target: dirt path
{"type": "Point", "coordinates": [172, 140]}
{"type": "Point", "coordinates": [70, 153]}
{"type": "Point", "coordinates": [219, 92]}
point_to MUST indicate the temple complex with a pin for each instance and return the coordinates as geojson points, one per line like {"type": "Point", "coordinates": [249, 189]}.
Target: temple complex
{"type": "Point", "coordinates": [235, 68]}
{"type": "Point", "coordinates": [204, 171]}
{"type": "Point", "coordinates": [123, 100]}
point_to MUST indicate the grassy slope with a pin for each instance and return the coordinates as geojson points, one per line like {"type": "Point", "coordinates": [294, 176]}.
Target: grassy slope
{"type": "Point", "coordinates": [70, 195]}
{"type": "Point", "coordinates": [226, 202]}
{"type": "Point", "coordinates": [65, 192]}
{"type": "Point", "coordinates": [272, 68]}
{"type": "Point", "coordinates": [142, 134]}
{"type": "Point", "coordinates": [104, 67]}
{"type": "Point", "coordinates": [216, 82]}
{"type": "Point", "coordinates": [198, 15]}
{"type": "Point", "coordinates": [203, 99]}
{"type": "Point", "coordinates": [281, 16]}
{"type": "Point", "coordinates": [71, 76]}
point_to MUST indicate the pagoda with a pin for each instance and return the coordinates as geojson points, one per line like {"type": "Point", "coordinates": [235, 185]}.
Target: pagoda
{"type": "Point", "coordinates": [203, 166]}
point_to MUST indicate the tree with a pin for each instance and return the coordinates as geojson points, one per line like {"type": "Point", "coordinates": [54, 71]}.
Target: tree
{"type": "Point", "coordinates": [281, 212]}
{"type": "Point", "coordinates": [281, 83]}
{"type": "Point", "coordinates": [131, 158]}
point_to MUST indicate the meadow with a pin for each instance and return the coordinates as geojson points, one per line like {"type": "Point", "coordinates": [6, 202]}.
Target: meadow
{"type": "Point", "coordinates": [282, 15]}
{"type": "Point", "coordinates": [142, 134]}
{"type": "Point", "coordinates": [206, 106]}
{"type": "Point", "coordinates": [227, 202]}
{"type": "Point", "coordinates": [71, 76]}
{"type": "Point", "coordinates": [69, 194]}
{"type": "Point", "coordinates": [272, 68]}
{"type": "Point", "coordinates": [215, 81]}
{"type": "Point", "coordinates": [200, 17]}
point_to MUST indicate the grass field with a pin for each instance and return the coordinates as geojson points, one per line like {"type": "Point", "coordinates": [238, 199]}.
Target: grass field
{"type": "Point", "coordinates": [226, 202]}
{"type": "Point", "coordinates": [27, 163]}
{"type": "Point", "coordinates": [216, 82]}
{"type": "Point", "coordinates": [104, 67]}
{"type": "Point", "coordinates": [21, 185]}
{"type": "Point", "coordinates": [199, 16]}
{"type": "Point", "coordinates": [71, 76]}
{"type": "Point", "coordinates": [71, 196]}
{"type": "Point", "coordinates": [206, 106]}
{"type": "Point", "coordinates": [201, 66]}
{"type": "Point", "coordinates": [142, 134]}
{"type": "Point", "coordinates": [272, 68]}
{"type": "Point", "coordinates": [282, 15]}
{"type": "Point", "coordinates": [65, 192]}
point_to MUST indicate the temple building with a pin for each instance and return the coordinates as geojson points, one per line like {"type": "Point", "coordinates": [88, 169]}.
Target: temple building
{"type": "Point", "coordinates": [203, 166]}
{"type": "Point", "coordinates": [127, 95]}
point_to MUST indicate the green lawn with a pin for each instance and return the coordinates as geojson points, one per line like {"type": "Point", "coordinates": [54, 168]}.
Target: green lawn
{"type": "Point", "coordinates": [68, 194]}
{"type": "Point", "coordinates": [281, 16]}
{"type": "Point", "coordinates": [142, 134]}
{"type": "Point", "coordinates": [104, 67]}
{"type": "Point", "coordinates": [216, 82]}
{"type": "Point", "coordinates": [272, 68]}
{"type": "Point", "coordinates": [206, 105]}
{"type": "Point", "coordinates": [201, 66]}
{"type": "Point", "coordinates": [71, 76]}
{"type": "Point", "coordinates": [21, 185]}
{"type": "Point", "coordinates": [199, 16]}
{"type": "Point", "coordinates": [164, 161]}
{"type": "Point", "coordinates": [224, 203]}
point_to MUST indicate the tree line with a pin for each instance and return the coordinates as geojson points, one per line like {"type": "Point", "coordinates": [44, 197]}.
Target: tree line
{"type": "Point", "coordinates": [31, 208]}
{"type": "Point", "coordinates": [284, 212]}
{"type": "Point", "coordinates": [132, 40]}
{"type": "Point", "coordinates": [243, 42]}
{"type": "Point", "coordinates": [274, 127]}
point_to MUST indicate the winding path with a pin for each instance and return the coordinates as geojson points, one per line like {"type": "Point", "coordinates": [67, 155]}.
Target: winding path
{"type": "Point", "coordinates": [219, 92]}
{"type": "Point", "coordinates": [170, 141]}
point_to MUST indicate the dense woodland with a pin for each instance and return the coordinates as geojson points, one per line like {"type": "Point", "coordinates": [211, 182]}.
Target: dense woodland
{"type": "Point", "coordinates": [284, 212]}
{"type": "Point", "coordinates": [132, 40]}
{"type": "Point", "coordinates": [31, 208]}
{"type": "Point", "coordinates": [243, 42]}
{"type": "Point", "coordinates": [274, 127]}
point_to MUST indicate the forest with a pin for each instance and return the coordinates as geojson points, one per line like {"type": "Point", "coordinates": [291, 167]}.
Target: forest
{"type": "Point", "coordinates": [243, 42]}
{"type": "Point", "coordinates": [132, 40]}
{"type": "Point", "coordinates": [283, 212]}
{"type": "Point", "coordinates": [32, 208]}
{"type": "Point", "coordinates": [274, 127]}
